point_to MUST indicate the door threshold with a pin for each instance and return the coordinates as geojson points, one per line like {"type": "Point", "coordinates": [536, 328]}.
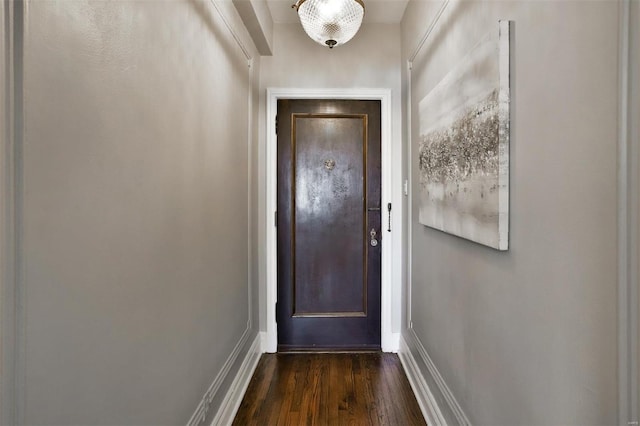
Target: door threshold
{"type": "Point", "coordinates": [285, 350]}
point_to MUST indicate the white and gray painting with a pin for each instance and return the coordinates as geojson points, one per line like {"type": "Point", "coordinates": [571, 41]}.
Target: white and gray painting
{"type": "Point", "coordinates": [464, 146]}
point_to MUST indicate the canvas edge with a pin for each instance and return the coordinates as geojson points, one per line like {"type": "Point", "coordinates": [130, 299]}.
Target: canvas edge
{"type": "Point", "coordinates": [504, 99]}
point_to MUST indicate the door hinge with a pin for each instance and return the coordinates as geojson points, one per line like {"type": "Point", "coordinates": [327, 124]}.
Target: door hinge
{"type": "Point", "coordinates": [276, 124]}
{"type": "Point", "coordinates": [275, 218]}
{"type": "Point", "coordinates": [276, 311]}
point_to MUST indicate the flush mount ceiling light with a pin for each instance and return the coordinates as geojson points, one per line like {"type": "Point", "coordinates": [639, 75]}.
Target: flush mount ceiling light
{"type": "Point", "coordinates": [330, 22]}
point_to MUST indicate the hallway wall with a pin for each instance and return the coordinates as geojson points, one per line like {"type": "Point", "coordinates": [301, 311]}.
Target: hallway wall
{"type": "Point", "coordinates": [134, 199]}
{"type": "Point", "coordinates": [528, 336]}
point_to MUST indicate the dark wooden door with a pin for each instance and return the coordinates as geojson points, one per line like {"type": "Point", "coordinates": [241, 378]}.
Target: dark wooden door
{"type": "Point", "coordinates": [329, 217]}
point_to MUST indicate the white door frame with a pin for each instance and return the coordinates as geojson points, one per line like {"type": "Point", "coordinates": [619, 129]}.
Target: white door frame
{"type": "Point", "coordinates": [391, 193]}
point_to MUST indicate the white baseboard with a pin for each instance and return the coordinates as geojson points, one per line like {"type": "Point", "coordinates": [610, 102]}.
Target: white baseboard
{"type": "Point", "coordinates": [264, 338]}
{"type": "Point", "coordinates": [229, 407]}
{"type": "Point", "coordinates": [391, 343]}
{"type": "Point", "coordinates": [432, 411]}
{"type": "Point", "coordinates": [426, 401]}
{"type": "Point", "coordinates": [202, 411]}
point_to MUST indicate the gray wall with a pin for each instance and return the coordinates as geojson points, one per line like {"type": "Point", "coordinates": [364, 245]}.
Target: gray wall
{"type": "Point", "coordinates": [135, 200]}
{"type": "Point", "coordinates": [529, 336]}
{"type": "Point", "coordinates": [634, 116]}
{"type": "Point", "coordinates": [370, 60]}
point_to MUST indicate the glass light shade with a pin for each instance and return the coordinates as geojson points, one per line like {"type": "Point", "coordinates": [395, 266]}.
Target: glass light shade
{"type": "Point", "coordinates": [330, 22]}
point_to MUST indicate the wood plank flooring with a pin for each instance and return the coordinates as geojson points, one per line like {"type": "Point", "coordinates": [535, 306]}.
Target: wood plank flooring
{"type": "Point", "coordinates": [329, 389]}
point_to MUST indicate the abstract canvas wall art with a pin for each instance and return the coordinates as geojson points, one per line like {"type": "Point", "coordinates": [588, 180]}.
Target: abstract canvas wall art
{"type": "Point", "coordinates": [464, 146]}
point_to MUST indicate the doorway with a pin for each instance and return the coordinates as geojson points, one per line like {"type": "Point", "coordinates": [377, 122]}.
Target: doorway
{"type": "Point", "coordinates": [392, 250]}
{"type": "Point", "coordinates": [329, 224]}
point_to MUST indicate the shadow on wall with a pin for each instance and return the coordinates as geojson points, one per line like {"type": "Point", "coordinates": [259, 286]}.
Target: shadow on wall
{"type": "Point", "coordinates": [204, 12]}
{"type": "Point", "coordinates": [453, 11]}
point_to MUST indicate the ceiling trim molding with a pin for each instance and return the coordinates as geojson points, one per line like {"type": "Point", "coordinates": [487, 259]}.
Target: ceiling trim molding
{"type": "Point", "coordinates": [256, 16]}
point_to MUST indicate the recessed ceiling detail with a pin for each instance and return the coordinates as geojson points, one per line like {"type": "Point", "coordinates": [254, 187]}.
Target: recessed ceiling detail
{"type": "Point", "coordinates": [377, 11]}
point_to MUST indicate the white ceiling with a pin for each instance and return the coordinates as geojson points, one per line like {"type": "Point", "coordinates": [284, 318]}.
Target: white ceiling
{"type": "Point", "coordinates": [376, 11]}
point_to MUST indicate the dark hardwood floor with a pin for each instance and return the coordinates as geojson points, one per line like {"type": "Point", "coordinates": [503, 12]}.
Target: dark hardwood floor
{"type": "Point", "coordinates": [329, 389]}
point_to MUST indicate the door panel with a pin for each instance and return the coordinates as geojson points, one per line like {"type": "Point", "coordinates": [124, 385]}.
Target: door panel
{"type": "Point", "coordinates": [328, 202]}
{"type": "Point", "coordinates": [328, 157]}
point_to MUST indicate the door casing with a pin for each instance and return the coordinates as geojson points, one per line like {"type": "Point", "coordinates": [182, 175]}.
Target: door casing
{"type": "Point", "coordinates": [391, 193]}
